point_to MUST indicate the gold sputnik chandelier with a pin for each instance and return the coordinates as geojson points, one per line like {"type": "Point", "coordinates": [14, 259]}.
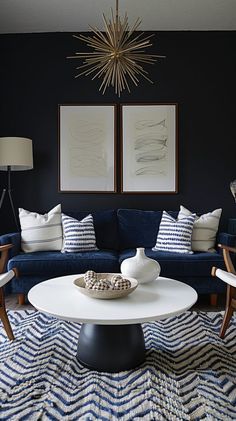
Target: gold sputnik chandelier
{"type": "Point", "coordinates": [118, 55]}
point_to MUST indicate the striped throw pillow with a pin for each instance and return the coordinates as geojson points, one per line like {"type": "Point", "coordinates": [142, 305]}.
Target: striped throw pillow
{"type": "Point", "coordinates": [41, 232]}
{"type": "Point", "coordinates": [175, 235]}
{"type": "Point", "coordinates": [205, 229]}
{"type": "Point", "coordinates": [78, 235]}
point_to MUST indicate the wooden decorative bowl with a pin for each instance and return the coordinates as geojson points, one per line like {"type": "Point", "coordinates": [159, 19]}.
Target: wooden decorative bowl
{"type": "Point", "coordinates": [109, 294]}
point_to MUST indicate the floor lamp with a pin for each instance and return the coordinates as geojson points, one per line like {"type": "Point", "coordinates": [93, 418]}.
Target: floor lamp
{"type": "Point", "coordinates": [15, 155]}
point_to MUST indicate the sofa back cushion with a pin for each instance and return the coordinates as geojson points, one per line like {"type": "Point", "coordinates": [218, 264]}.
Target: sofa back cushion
{"type": "Point", "coordinates": [105, 225]}
{"type": "Point", "coordinates": [139, 228]}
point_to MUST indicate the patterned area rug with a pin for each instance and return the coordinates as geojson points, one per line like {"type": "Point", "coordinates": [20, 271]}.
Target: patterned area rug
{"type": "Point", "coordinates": [189, 373]}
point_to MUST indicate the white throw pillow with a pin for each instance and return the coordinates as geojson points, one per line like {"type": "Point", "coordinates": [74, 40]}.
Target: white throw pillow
{"type": "Point", "coordinates": [41, 232]}
{"type": "Point", "coordinates": [175, 235]}
{"type": "Point", "coordinates": [78, 235]}
{"type": "Point", "coordinates": [205, 229]}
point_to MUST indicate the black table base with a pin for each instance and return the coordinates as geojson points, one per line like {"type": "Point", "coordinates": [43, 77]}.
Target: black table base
{"type": "Point", "coordinates": [111, 348]}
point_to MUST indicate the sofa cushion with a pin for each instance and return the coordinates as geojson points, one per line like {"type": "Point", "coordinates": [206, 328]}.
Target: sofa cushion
{"type": "Point", "coordinates": [78, 235]}
{"type": "Point", "coordinates": [105, 225]}
{"type": "Point", "coordinates": [52, 264]}
{"type": "Point", "coordinates": [41, 232]}
{"type": "Point", "coordinates": [178, 266]}
{"type": "Point", "coordinates": [139, 228]}
{"type": "Point", "coordinates": [205, 229]}
{"type": "Point", "coordinates": [173, 235]}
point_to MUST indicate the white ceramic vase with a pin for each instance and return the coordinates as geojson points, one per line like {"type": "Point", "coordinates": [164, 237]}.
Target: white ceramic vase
{"type": "Point", "coordinates": [141, 267]}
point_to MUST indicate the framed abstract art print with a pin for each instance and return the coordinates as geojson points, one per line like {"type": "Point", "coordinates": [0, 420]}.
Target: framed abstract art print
{"type": "Point", "coordinates": [149, 148]}
{"type": "Point", "coordinates": [87, 148]}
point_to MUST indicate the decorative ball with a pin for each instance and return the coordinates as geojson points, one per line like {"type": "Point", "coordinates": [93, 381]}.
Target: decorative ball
{"type": "Point", "coordinates": [90, 283]}
{"type": "Point", "coordinates": [115, 278]}
{"type": "Point", "coordinates": [101, 285]}
{"type": "Point", "coordinates": [90, 274]}
{"type": "Point", "coordinates": [122, 284]}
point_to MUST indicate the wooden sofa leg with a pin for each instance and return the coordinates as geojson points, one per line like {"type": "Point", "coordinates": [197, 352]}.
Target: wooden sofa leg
{"type": "Point", "coordinates": [21, 299]}
{"type": "Point", "coordinates": [213, 299]}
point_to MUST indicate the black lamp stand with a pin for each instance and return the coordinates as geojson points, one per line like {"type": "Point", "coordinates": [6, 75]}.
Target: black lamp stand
{"type": "Point", "coordinates": [8, 191]}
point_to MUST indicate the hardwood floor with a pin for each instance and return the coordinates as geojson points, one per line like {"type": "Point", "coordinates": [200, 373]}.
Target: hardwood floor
{"type": "Point", "coordinates": [12, 303]}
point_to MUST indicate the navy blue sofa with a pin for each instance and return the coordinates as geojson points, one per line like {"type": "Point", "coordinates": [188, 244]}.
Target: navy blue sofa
{"type": "Point", "coordinates": [118, 234]}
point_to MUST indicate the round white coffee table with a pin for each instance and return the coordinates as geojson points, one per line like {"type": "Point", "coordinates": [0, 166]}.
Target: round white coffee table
{"type": "Point", "coordinates": [111, 337]}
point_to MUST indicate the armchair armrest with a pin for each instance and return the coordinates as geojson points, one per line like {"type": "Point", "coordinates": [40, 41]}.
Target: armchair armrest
{"type": "Point", "coordinates": [226, 239]}
{"type": "Point", "coordinates": [228, 278]}
{"type": "Point", "coordinates": [13, 238]}
{"type": "Point", "coordinates": [6, 277]}
{"type": "Point", "coordinates": [223, 246]}
{"type": "Point", "coordinates": [227, 258]}
{"type": "Point", "coordinates": [4, 256]}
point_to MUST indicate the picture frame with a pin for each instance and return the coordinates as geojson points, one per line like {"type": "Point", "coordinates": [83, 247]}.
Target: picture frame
{"type": "Point", "coordinates": [87, 148]}
{"type": "Point", "coordinates": [149, 148]}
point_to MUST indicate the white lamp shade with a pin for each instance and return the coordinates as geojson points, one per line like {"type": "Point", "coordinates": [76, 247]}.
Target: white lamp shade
{"type": "Point", "coordinates": [16, 152]}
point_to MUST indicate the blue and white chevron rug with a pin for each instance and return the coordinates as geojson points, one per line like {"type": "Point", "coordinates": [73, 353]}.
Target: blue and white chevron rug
{"type": "Point", "coordinates": [189, 373]}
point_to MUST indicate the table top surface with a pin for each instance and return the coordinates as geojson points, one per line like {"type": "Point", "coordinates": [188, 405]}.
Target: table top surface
{"type": "Point", "coordinates": [155, 300]}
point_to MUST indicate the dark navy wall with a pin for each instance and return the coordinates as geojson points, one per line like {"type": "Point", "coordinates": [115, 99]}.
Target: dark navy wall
{"type": "Point", "coordinates": [198, 73]}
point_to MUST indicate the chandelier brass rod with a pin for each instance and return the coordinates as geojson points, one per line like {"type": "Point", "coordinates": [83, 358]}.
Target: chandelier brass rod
{"type": "Point", "coordinates": [99, 34]}
{"type": "Point", "coordinates": [110, 35]}
{"type": "Point", "coordinates": [90, 70]}
{"type": "Point", "coordinates": [98, 74]}
{"type": "Point", "coordinates": [136, 47]}
{"type": "Point", "coordinates": [123, 30]}
{"type": "Point", "coordinates": [134, 67]}
{"type": "Point", "coordinates": [137, 67]}
{"type": "Point", "coordinates": [143, 60]}
{"type": "Point", "coordinates": [134, 56]}
{"type": "Point", "coordinates": [113, 24]}
{"type": "Point", "coordinates": [91, 41]}
{"type": "Point", "coordinates": [125, 81]}
{"type": "Point", "coordinates": [91, 61]}
{"type": "Point", "coordinates": [130, 71]}
{"type": "Point", "coordinates": [105, 82]}
{"type": "Point", "coordinates": [142, 72]}
{"type": "Point", "coordinates": [134, 40]}
{"type": "Point", "coordinates": [135, 26]}
{"type": "Point", "coordinates": [132, 77]}
{"type": "Point", "coordinates": [98, 46]}
{"type": "Point", "coordinates": [124, 75]}
{"type": "Point", "coordinates": [93, 69]}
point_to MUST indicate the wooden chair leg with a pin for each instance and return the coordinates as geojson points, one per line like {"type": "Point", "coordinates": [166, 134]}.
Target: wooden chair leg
{"type": "Point", "coordinates": [21, 299]}
{"type": "Point", "coordinates": [226, 320]}
{"type": "Point", "coordinates": [213, 299]}
{"type": "Point", "coordinates": [4, 316]}
{"type": "Point", "coordinates": [229, 309]}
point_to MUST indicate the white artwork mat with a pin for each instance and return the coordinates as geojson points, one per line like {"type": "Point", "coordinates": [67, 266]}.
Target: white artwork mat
{"type": "Point", "coordinates": [149, 148]}
{"type": "Point", "coordinates": [87, 148]}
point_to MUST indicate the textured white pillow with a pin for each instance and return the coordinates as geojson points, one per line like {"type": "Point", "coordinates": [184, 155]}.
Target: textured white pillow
{"type": "Point", "coordinates": [175, 235]}
{"type": "Point", "coordinates": [41, 232]}
{"type": "Point", "coordinates": [205, 229]}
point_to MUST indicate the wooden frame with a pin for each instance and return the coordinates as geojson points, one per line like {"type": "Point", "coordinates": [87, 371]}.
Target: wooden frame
{"type": "Point", "coordinates": [87, 148]}
{"type": "Point", "coordinates": [4, 250]}
{"type": "Point", "coordinates": [149, 148]}
{"type": "Point", "coordinates": [231, 291]}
